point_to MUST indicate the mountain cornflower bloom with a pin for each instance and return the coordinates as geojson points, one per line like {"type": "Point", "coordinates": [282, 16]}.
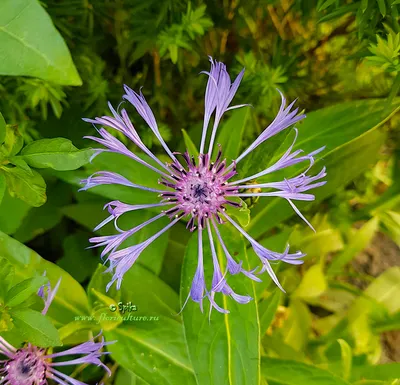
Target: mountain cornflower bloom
{"type": "Point", "coordinates": [32, 365]}
{"type": "Point", "coordinates": [199, 188]}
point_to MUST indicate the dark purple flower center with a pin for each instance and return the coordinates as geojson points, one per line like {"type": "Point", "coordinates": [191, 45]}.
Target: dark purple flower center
{"type": "Point", "coordinates": [200, 188]}
{"type": "Point", "coordinates": [27, 367]}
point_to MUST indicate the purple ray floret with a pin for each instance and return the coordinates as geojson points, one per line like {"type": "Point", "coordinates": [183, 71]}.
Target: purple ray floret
{"type": "Point", "coordinates": [199, 188]}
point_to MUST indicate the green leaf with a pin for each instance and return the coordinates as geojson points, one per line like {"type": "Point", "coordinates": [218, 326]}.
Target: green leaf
{"type": "Point", "coordinates": [190, 146]}
{"type": "Point", "coordinates": [2, 128]}
{"type": "Point", "coordinates": [231, 133]}
{"type": "Point", "coordinates": [29, 188]}
{"type": "Point", "coordinates": [77, 259]}
{"type": "Point", "coordinates": [287, 372]}
{"type": "Point", "coordinates": [346, 358]}
{"type": "Point", "coordinates": [326, 239]}
{"type": "Point", "coordinates": [267, 309]}
{"type": "Point", "coordinates": [126, 377]}
{"type": "Point", "coordinates": [71, 299]}
{"type": "Point", "coordinates": [35, 327]}
{"type": "Point", "coordinates": [242, 214]}
{"type": "Point", "coordinates": [382, 296]}
{"type": "Point", "coordinates": [383, 372]}
{"type": "Point", "coordinates": [313, 284]}
{"type": "Point", "coordinates": [325, 5]}
{"type": "Point", "coordinates": [31, 45]}
{"type": "Point", "coordinates": [2, 186]}
{"type": "Point", "coordinates": [391, 322]}
{"type": "Point", "coordinates": [23, 290]}
{"type": "Point", "coordinates": [297, 327]}
{"type": "Point", "coordinates": [382, 7]}
{"type": "Point", "coordinates": [12, 213]}
{"type": "Point", "coordinates": [13, 142]}
{"type": "Point", "coordinates": [38, 221]}
{"type": "Point", "coordinates": [227, 346]}
{"type": "Point", "coordinates": [154, 347]}
{"type": "Point", "coordinates": [58, 153]}
{"type": "Point", "coordinates": [359, 241]}
{"type": "Point", "coordinates": [349, 132]}
{"type": "Point", "coordinates": [6, 277]}
{"type": "Point", "coordinates": [19, 162]}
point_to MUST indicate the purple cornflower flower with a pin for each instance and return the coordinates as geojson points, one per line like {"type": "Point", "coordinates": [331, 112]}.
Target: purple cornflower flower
{"type": "Point", "coordinates": [32, 365]}
{"type": "Point", "coordinates": [199, 188]}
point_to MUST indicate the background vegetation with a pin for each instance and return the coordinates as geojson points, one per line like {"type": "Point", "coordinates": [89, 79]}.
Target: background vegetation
{"type": "Point", "coordinates": [64, 60]}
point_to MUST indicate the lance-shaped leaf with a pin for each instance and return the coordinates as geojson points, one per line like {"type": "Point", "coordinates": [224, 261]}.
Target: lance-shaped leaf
{"type": "Point", "coordinates": [31, 45]}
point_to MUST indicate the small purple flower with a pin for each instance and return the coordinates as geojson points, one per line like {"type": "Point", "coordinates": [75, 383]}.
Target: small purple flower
{"type": "Point", "coordinates": [32, 365]}
{"type": "Point", "coordinates": [198, 188]}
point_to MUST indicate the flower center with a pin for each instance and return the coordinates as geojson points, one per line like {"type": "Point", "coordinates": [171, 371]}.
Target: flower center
{"type": "Point", "coordinates": [27, 367]}
{"type": "Point", "coordinates": [201, 188]}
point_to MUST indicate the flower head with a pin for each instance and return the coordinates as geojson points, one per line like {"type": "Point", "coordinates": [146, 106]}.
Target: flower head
{"type": "Point", "coordinates": [32, 365]}
{"type": "Point", "coordinates": [198, 189]}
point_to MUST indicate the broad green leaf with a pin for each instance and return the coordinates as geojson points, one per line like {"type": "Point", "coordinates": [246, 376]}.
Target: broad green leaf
{"type": "Point", "coordinates": [231, 133]}
{"type": "Point", "coordinates": [6, 277]}
{"type": "Point", "coordinates": [23, 290]}
{"type": "Point", "coordinates": [358, 242]}
{"type": "Point", "coordinates": [386, 289]}
{"type": "Point", "coordinates": [267, 309]}
{"type": "Point", "coordinates": [287, 372]}
{"type": "Point", "coordinates": [155, 351]}
{"type": "Point", "coordinates": [2, 186]}
{"type": "Point", "coordinates": [12, 213]}
{"type": "Point", "coordinates": [227, 346]}
{"type": "Point", "coordinates": [326, 239]}
{"type": "Point", "coordinates": [2, 128]}
{"type": "Point", "coordinates": [125, 377]}
{"type": "Point", "coordinates": [313, 284]}
{"type": "Point", "coordinates": [70, 300]}
{"type": "Point", "coordinates": [76, 326]}
{"type": "Point", "coordinates": [297, 327]}
{"type": "Point", "coordinates": [153, 347]}
{"type": "Point", "coordinates": [35, 327]}
{"type": "Point", "coordinates": [190, 146]}
{"type": "Point", "coordinates": [38, 221]}
{"type": "Point", "coordinates": [19, 162]}
{"type": "Point", "coordinates": [274, 344]}
{"type": "Point", "coordinates": [31, 45]}
{"type": "Point", "coordinates": [29, 188]}
{"type": "Point", "coordinates": [77, 260]}
{"type": "Point", "coordinates": [349, 132]}
{"type": "Point", "coordinates": [383, 372]}
{"type": "Point", "coordinates": [58, 153]}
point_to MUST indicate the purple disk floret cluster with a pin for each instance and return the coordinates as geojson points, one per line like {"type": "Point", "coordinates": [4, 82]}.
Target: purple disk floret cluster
{"type": "Point", "coordinates": [199, 188]}
{"type": "Point", "coordinates": [32, 365]}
